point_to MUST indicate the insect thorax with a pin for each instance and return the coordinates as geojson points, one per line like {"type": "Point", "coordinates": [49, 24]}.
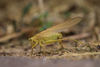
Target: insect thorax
{"type": "Point", "coordinates": [50, 36]}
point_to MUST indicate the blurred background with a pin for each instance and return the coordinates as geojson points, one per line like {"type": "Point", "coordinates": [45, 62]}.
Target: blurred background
{"type": "Point", "coordinates": [22, 19]}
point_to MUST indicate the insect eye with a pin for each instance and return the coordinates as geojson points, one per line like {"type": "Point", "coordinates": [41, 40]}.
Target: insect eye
{"type": "Point", "coordinates": [30, 39]}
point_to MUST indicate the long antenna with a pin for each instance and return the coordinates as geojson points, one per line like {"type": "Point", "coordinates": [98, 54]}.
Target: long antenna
{"type": "Point", "coordinates": [17, 24]}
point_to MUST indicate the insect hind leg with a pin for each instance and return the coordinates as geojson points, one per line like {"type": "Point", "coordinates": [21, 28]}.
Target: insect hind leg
{"type": "Point", "coordinates": [75, 41]}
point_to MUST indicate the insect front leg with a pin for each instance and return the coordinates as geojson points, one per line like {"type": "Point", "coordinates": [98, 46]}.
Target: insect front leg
{"type": "Point", "coordinates": [42, 47]}
{"type": "Point", "coordinates": [33, 47]}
